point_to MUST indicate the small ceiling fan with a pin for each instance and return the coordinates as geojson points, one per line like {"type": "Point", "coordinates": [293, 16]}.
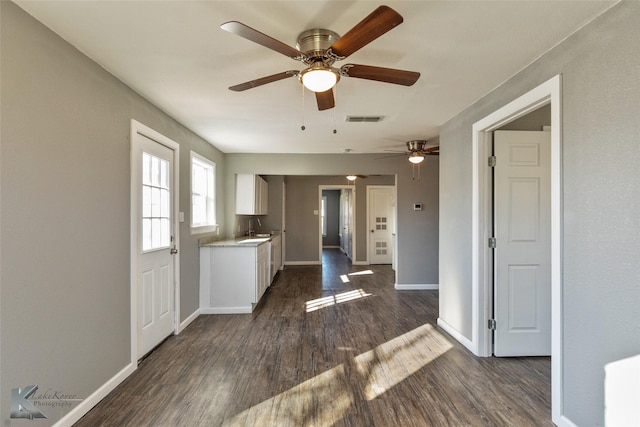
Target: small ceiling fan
{"type": "Point", "coordinates": [417, 150]}
{"type": "Point", "coordinates": [319, 49]}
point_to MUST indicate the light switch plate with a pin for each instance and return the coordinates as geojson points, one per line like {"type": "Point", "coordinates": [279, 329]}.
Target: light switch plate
{"type": "Point", "coordinates": [181, 216]}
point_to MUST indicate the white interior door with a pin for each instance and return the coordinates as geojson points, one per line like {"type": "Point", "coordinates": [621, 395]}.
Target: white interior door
{"type": "Point", "coordinates": [380, 213]}
{"type": "Point", "coordinates": [346, 220]}
{"type": "Point", "coordinates": [522, 211]}
{"type": "Point", "coordinates": [155, 279]}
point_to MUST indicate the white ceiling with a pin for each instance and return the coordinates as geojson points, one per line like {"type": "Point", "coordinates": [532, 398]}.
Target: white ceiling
{"type": "Point", "coordinates": [175, 54]}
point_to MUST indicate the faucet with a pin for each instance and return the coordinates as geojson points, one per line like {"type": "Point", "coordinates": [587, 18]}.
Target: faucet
{"type": "Point", "coordinates": [251, 231]}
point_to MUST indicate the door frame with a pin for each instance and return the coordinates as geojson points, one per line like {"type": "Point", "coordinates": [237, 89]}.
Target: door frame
{"type": "Point", "coordinates": [353, 225]}
{"type": "Point", "coordinates": [393, 209]}
{"type": "Point", "coordinates": [139, 128]}
{"type": "Point", "coordinates": [548, 92]}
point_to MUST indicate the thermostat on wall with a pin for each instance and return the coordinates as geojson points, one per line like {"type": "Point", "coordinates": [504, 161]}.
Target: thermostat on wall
{"type": "Point", "coordinates": [417, 206]}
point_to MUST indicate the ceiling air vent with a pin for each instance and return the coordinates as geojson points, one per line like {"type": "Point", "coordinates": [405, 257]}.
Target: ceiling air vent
{"type": "Point", "coordinates": [364, 119]}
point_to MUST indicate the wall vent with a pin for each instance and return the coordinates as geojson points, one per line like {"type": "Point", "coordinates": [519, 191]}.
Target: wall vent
{"type": "Point", "coordinates": [364, 119]}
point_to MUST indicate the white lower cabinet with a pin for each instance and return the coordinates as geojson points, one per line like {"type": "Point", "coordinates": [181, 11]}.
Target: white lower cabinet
{"type": "Point", "coordinates": [233, 278]}
{"type": "Point", "coordinates": [276, 255]}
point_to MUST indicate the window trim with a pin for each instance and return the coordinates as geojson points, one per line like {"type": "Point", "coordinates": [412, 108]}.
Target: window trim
{"type": "Point", "coordinates": [209, 227]}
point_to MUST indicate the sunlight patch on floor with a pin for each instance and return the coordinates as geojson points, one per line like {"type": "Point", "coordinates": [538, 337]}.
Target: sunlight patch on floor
{"type": "Point", "coordinates": [392, 362]}
{"type": "Point", "coordinates": [361, 273]}
{"type": "Point", "coordinates": [319, 303]}
{"type": "Point", "coordinates": [326, 398]}
{"type": "Point", "coordinates": [320, 401]}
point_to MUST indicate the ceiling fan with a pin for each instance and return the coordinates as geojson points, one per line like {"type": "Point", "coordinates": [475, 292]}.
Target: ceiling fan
{"type": "Point", "coordinates": [417, 150]}
{"type": "Point", "coordinates": [319, 49]}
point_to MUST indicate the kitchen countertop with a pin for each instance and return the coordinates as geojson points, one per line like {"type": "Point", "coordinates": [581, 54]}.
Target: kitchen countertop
{"type": "Point", "coordinates": [243, 241]}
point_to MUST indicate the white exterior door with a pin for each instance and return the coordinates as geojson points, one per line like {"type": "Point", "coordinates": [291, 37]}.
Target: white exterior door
{"type": "Point", "coordinates": [381, 220]}
{"type": "Point", "coordinates": [154, 276]}
{"type": "Point", "coordinates": [522, 221]}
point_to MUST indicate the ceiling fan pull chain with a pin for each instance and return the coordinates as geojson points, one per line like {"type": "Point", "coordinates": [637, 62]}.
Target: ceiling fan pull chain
{"type": "Point", "coordinates": [302, 127]}
{"type": "Point", "coordinates": [335, 97]}
{"type": "Point", "coordinates": [413, 171]}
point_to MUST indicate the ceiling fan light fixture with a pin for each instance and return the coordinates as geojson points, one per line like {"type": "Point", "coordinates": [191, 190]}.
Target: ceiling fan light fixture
{"type": "Point", "coordinates": [416, 157]}
{"type": "Point", "coordinates": [319, 78]}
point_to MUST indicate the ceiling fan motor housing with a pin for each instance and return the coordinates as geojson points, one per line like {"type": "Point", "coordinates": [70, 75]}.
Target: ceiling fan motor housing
{"type": "Point", "coordinates": [416, 145]}
{"type": "Point", "coordinates": [314, 44]}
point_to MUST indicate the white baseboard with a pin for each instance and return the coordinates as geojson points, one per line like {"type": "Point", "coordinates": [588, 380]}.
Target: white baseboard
{"type": "Point", "coordinates": [186, 322]}
{"type": "Point", "coordinates": [565, 422]}
{"type": "Point", "coordinates": [331, 247]}
{"type": "Point", "coordinates": [226, 310]}
{"type": "Point", "coordinates": [359, 263]}
{"type": "Point", "coordinates": [416, 287]}
{"type": "Point", "coordinates": [303, 263]}
{"type": "Point", "coordinates": [87, 404]}
{"type": "Point", "coordinates": [456, 334]}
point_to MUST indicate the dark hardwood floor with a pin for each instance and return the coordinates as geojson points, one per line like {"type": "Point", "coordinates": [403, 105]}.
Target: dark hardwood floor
{"type": "Point", "coordinates": [328, 346]}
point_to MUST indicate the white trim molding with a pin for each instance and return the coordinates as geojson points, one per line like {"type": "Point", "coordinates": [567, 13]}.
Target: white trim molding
{"type": "Point", "coordinates": [87, 404]}
{"type": "Point", "coordinates": [227, 310]}
{"type": "Point", "coordinates": [416, 287]}
{"type": "Point", "coordinates": [186, 322]}
{"type": "Point", "coordinates": [455, 334]}
{"type": "Point", "coordinates": [548, 92]}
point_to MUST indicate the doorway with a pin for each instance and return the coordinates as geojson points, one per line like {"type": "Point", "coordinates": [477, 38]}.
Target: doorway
{"type": "Point", "coordinates": [347, 221]}
{"type": "Point", "coordinates": [481, 344]}
{"type": "Point", "coordinates": [154, 239]}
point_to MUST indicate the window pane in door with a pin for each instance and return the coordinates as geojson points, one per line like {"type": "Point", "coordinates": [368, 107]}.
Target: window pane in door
{"type": "Point", "coordinates": [156, 203]}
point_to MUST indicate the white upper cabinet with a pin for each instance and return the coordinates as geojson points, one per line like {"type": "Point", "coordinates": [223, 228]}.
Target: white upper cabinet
{"type": "Point", "coordinates": [251, 195]}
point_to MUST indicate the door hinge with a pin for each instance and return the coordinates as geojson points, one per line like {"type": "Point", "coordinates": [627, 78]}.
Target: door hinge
{"type": "Point", "coordinates": [492, 161]}
{"type": "Point", "coordinates": [492, 324]}
{"type": "Point", "coordinates": [492, 242]}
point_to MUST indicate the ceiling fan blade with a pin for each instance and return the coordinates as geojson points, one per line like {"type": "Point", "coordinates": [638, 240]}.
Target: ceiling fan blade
{"type": "Point", "coordinates": [263, 81]}
{"type": "Point", "coordinates": [387, 75]}
{"type": "Point", "coordinates": [370, 28]}
{"type": "Point", "coordinates": [391, 155]}
{"type": "Point", "coordinates": [433, 151]}
{"type": "Point", "coordinates": [242, 30]}
{"type": "Point", "coordinates": [325, 100]}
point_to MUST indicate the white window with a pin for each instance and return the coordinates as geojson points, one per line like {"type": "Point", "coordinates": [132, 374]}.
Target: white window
{"type": "Point", "coordinates": [323, 213]}
{"type": "Point", "coordinates": [203, 194]}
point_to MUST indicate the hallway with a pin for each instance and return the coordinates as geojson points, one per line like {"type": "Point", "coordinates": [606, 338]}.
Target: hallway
{"type": "Point", "coordinates": [330, 345]}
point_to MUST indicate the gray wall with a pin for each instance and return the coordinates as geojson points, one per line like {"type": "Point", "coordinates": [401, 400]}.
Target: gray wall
{"type": "Point", "coordinates": [64, 218]}
{"type": "Point", "coordinates": [600, 67]}
{"type": "Point", "coordinates": [417, 230]}
{"type": "Point", "coordinates": [302, 231]}
{"type": "Point", "coordinates": [332, 237]}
